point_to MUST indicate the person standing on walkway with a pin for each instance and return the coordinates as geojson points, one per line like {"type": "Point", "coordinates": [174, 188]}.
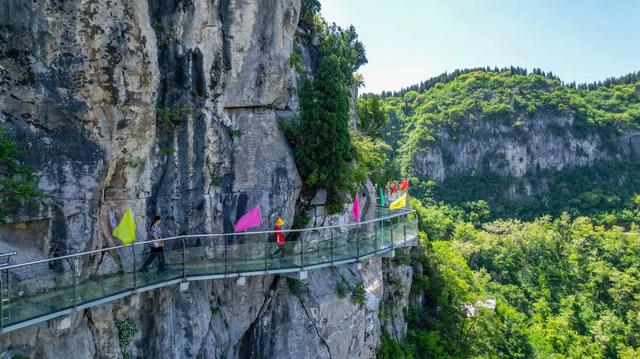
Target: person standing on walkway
{"type": "Point", "coordinates": [157, 248]}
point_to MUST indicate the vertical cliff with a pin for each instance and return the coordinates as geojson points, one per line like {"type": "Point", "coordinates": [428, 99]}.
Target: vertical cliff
{"type": "Point", "coordinates": [169, 108]}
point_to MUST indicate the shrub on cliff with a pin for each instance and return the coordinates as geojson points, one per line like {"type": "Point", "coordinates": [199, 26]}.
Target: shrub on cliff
{"type": "Point", "coordinates": [18, 183]}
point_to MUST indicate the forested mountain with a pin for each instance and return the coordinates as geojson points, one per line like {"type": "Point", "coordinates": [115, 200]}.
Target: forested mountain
{"type": "Point", "coordinates": [527, 193]}
{"type": "Point", "coordinates": [525, 143]}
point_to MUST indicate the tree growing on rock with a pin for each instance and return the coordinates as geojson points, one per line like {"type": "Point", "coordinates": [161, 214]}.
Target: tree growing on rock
{"type": "Point", "coordinates": [18, 183]}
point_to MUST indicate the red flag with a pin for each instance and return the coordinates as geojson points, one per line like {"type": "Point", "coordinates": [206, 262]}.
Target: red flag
{"type": "Point", "coordinates": [394, 188]}
{"type": "Point", "coordinates": [356, 208]}
{"type": "Point", "coordinates": [405, 184]}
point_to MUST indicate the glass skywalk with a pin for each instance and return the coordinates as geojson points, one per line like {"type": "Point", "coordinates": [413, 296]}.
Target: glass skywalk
{"type": "Point", "coordinates": [37, 291]}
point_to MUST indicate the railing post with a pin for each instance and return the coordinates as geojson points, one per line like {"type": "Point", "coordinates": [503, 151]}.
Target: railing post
{"type": "Point", "coordinates": [332, 243]}
{"type": "Point", "coordinates": [2, 298]}
{"type": "Point", "coordinates": [382, 230]}
{"type": "Point", "coordinates": [302, 250]}
{"type": "Point", "coordinates": [375, 237]}
{"type": "Point", "coordinates": [358, 241]}
{"type": "Point", "coordinates": [184, 262]}
{"type": "Point", "coordinates": [75, 283]}
{"type": "Point", "coordinates": [265, 252]}
{"type": "Point", "coordinates": [135, 269]}
{"type": "Point", "coordinates": [226, 256]}
{"type": "Point", "coordinates": [404, 229]}
{"type": "Point", "coordinates": [391, 232]}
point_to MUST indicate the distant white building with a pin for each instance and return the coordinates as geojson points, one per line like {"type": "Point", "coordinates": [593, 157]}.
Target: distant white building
{"type": "Point", "coordinates": [472, 309]}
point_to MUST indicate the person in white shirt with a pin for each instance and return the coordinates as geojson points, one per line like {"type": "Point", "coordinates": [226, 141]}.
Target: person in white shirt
{"type": "Point", "coordinates": [157, 247]}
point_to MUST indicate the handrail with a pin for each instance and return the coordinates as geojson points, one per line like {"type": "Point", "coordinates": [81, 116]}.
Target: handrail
{"type": "Point", "coordinates": [8, 254]}
{"type": "Point", "coordinates": [401, 212]}
{"type": "Point", "coordinates": [78, 283]}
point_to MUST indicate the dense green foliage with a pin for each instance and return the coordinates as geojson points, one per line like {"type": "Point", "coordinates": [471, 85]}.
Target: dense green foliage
{"type": "Point", "coordinates": [323, 141]}
{"type": "Point", "coordinates": [563, 288]}
{"type": "Point", "coordinates": [567, 287]}
{"type": "Point", "coordinates": [126, 332]}
{"type": "Point", "coordinates": [327, 154]}
{"type": "Point", "coordinates": [606, 191]}
{"type": "Point", "coordinates": [457, 102]}
{"type": "Point", "coordinates": [309, 9]}
{"type": "Point", "coordinates": [371, 115]}
{"type": "Point", "coordinates": [503, 97]}
{"type": "Point", "coordinates": [18, 183]}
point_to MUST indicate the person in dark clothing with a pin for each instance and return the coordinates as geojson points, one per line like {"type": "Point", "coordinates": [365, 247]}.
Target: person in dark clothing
{"type": "Point", "coordinates": [157, 248]}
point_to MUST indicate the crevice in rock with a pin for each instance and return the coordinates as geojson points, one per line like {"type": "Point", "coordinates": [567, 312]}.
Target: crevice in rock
{"type": "Point", "coordinates": [248, 338]}
{"type": "Point", "coordinates": [223, 10]}
{"type": "Point", "coordinates": [306, 312]}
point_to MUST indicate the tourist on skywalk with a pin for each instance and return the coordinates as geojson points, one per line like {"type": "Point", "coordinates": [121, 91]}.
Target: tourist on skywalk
{"type": "Point", "coordinates": [157, 247]}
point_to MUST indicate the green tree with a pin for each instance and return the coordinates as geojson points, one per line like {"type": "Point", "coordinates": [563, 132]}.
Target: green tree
{"type": "Point", "coordinates": [344, 44]}
{"type": "Point", "coordinates": [18, 183]}
{"type": "Point", "coordinates": [323, 143]}
{"type": "Point", "coordinates": [371, 115]}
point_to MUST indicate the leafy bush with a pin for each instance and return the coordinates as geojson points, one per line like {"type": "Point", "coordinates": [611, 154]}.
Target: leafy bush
{"type": "Point", "coordinates": [371, 115]}
{"type": "Point", "coordinates": [401, 258]}
{"type": "Point", "coordinates": [300, 221]}
{"type": "Point", "coordinates": [295, 61]}
{"type": "Point", "coordinates": [234, 133]}
{"type": "Point", "coordinates": [372, 157]}
{"type": "Point", "coordinates": [165, 150]}
{"type": "Point", "coordinates": [341, 289]}
{"type": "Point", "coordinates": [169, 119]}
{"type": "Point", "coordinates": [127, 329]}
{"type": "Point", "coordinates": [296, 287]}
{"type": "Point", "coordinates": [396, 283]}
{"type": "Point", "coordinates": [157, 27]}
{"type": "Point", "coordinates": [214, 308]}
{"type": "Point", "coordinates": [389, 348]}
{"type": "Point", "coordinates": [18, 183]}
{"type": "Point", "coordinates": [358, 294]}
{"type": "Point", "coordinates": [334, 205]}
{"type": "Point", "coordinates": [133, 161]}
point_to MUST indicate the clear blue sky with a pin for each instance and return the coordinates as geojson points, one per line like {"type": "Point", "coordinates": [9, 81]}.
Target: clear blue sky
{"type": "Point", "coordinates": [408, 41]}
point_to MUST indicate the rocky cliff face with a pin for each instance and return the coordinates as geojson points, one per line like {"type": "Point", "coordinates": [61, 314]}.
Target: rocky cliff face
{"type": "Point", "coordinates": [541, 143]}
{"type": "Point", "coordinates": [169, 108]}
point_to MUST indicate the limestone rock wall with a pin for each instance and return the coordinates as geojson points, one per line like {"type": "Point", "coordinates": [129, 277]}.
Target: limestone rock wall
{"type": "Point", "coordinates": [542, 143]}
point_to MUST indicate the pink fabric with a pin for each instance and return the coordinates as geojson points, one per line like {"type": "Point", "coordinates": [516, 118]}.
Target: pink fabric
{"type": "Point", "coordinates": [251, 219]}
{"type": "Point", "coordinates": [356, 208]}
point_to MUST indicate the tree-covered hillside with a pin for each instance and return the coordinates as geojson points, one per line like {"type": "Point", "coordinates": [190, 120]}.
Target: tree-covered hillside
{"type": "Point", "coordinates": [544, 264]}
{"type": "Point", "coordinates": [416, 118]}
{"type": "Point", "coordinates": [458, 104]}
{"type": "Point", "coordinates": [563, 288]}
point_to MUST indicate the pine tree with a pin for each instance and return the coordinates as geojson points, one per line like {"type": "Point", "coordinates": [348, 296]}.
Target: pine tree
{"type": "Point", "coordinates": [324, 143]}
{"type": "Point", "coordinates": [18, 183]}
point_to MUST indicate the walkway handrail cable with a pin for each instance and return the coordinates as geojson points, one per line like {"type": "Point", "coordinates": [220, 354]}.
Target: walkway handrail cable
{"type": "Point", "coordinates": [32, 293]}
{"type": "Point", "coordinates": [401, 213]}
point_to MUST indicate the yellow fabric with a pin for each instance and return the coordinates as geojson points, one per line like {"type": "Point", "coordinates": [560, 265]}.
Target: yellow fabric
{"type": "Point", "coordinates": [399, 203]}
{"type": "Point", "coordinates": [280, 222]}
{"type": "Point", "coordinates": [126, 230]}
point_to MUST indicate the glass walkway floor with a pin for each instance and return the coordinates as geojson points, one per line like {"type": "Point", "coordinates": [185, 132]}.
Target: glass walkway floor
{"type": "Point", "coordinates": [37, 291]}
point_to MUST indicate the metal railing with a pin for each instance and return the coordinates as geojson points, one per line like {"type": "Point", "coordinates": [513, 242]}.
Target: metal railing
{"type": "Point", "coordinates": [39, 290]}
